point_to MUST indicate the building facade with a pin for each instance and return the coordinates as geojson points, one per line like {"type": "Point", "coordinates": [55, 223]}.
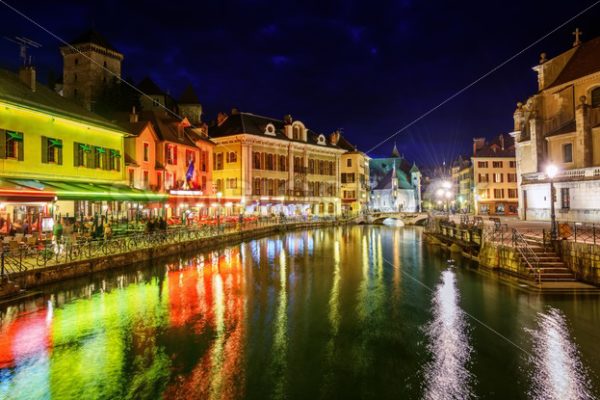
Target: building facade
{"type": "Point", "coordinates": [462, 182]}
{"type": "Point", "coordinates": [495, 176]}
{"type": "Point", "coordinates": [354, 178]}
{"type": "Point", "coordinates": [395, 184]}
{"type": "Point", "coordinates": [560, 125]}
{"type": "Point", "coordinates": [269, 166]}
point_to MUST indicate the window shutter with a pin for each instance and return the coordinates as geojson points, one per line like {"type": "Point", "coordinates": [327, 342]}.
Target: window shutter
{"type": "Point", "coordinates": [105, 160]}
{"type": "Point", "coordinates": [2, 143]}
{"type": "Point", "coordinates": [21, 149]}
{"type": "Point", "coordinates": [118, 161]}
{"type": "Point", "coordinates": [75, 154]}
{"type": "Point", "coordinates": [175, 155]}
{"type": "Point", "coordinates": [44, 149]}
{"type": "Point", "coordinates": [59, 151]}
{"type": "Point", "coordinates": [91, 159]}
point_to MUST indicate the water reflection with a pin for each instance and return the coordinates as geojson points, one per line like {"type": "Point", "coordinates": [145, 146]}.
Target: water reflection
{"type": "Point", "coordinates": [558, 372]}
{"type": "Point", "coordinates": [447, 375]}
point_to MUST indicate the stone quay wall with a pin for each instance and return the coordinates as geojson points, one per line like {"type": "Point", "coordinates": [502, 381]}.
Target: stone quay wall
{"type": "Point", "coordinates": [57, 273]}
{"type": "Point", "coordinates": [583, 259]}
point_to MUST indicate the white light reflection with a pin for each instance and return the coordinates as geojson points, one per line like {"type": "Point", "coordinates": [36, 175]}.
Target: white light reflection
{"type": "Point", "coordinates": [557, 373]}
{"type": "Point", "coordinates": [447, 375]}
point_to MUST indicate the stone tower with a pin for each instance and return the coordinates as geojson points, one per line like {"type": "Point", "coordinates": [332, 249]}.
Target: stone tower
{"type": "Point", "coordinates": [189, 106]}
{"type": "Point", "coordinates": [87, 69]}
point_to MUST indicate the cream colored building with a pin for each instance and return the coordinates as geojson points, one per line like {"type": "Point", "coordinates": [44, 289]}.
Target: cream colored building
{"type": "Point", "coordinates": [561, 125]}
{"type": "Point", "coordinates": [268, 166]}
{"type": "Point", "coordinates": [494, 176]}
{"type": "Point", "coordinates": [462, 181]}
{"type": "Point", "coordinates": [354, 174]}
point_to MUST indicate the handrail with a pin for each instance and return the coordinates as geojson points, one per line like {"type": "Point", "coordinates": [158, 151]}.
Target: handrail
{"type": "Point", "coordinates": [527, 254]}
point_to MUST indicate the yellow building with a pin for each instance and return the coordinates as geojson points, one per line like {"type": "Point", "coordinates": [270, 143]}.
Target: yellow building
{"type": "Point", "coordinates": [495, 177]}
{"type": "Point", "coordinates": [268, 166]}
{"type": "Point", "coordinates": [354, 174]}
{"type": "Point", "coordinates": [55, 155]}
{"type": "Point", "coordinates": [462, 181]}
{"type": "Point", "coordinates": [560, 125]}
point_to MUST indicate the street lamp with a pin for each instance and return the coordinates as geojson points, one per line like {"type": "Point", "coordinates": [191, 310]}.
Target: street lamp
{"type": "Point", "coordinates": [551, 172]}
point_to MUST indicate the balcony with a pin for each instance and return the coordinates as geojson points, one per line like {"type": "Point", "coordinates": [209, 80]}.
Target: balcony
{"type": "Point", "coordinates": [567, 175]}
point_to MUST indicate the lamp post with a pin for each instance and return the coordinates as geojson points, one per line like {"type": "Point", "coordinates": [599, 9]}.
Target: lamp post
{"type": "Point", "coordinates": [551, 172]}
{"type": "Point", "coordinates": [445, 193]}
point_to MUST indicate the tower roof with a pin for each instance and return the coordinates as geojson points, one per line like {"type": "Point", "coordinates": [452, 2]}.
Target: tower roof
{"type": "Point", "coordinates": [395, 152]}
{"type": "Point", "coordinates": [189, 96]}
{"type": "Point", "coordinates": [92, 36]}
{"type": "Point", "coordinates": [148, 86]}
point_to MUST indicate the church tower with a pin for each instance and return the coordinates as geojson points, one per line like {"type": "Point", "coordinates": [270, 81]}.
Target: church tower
{"type": "Point", "coordinates": [87, 68]}
{"type": "Point", "coordinates": [189, 106]}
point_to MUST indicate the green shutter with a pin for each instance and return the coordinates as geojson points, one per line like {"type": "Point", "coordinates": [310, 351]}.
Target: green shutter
{"type": "Point", "coordinates": [105, 161]}
{"type": "Point", "coordinates": [44, 149]}
{"type": "Point", "coordinates": [21, 149]}
{"type": "Point", "coordinates": [59, 151]}
{"type": "Point", "coordinates": [75, 154]}
{"type": "Point", "coordinates": [2, 143]}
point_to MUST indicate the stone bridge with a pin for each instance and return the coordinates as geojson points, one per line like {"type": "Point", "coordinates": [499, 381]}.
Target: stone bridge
{"type": "Point", "coordinates": [409, 218]}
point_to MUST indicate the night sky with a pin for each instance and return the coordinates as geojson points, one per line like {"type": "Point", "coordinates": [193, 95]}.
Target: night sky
{"type": "Point", "coordinates": [368, 67]}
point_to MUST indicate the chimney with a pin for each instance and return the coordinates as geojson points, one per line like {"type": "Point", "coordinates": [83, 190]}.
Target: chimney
{"type": "Point", "coordinates": [501, 138]}
{"type": "Point", "coordinates": [334, 137]}
{"type": "Point", "coordinates": [133, 117]}
{"type": "Point", "coordinates": [221, 117]}
{"type": "Point", "coordinates": [27, 76]}
{"type": "Point", "coordinates": [287, 119]}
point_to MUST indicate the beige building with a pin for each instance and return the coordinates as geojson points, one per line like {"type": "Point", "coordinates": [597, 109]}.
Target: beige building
{"type": "Point", "coordinates": [560, 125]}
{"type": "Point", "coordinates": [354, 174]}
{"type": "Point", "coordinates": [495, 176]}
{"type": "Point", "coordinates": [89, 68]}
{"type": "Point", "coordinates": [462, 182]}
{"type": "Point", "coordinates": [269, 166]}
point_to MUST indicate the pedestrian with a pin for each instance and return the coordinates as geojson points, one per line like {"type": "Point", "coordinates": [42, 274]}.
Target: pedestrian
{"type": "Point", "coordinates": [107, 231]}
{"type": "Point", "coordinates": [57, 231]}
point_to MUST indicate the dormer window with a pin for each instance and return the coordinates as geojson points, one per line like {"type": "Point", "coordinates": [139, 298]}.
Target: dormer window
{"type": "Point", "coordinates": [296, 132]}
{"type": "Point", "coordinates": [270, 130]}
{"type": "Point", "coordinates": [321, 140]}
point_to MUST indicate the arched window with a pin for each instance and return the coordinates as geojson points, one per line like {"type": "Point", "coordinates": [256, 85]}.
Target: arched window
{"type": "Point", "coordinates": [297, 132]}
{"type": "Point", "coordinates": [596, 97]}
{"type": "Point", "coordinates": [330, 208]}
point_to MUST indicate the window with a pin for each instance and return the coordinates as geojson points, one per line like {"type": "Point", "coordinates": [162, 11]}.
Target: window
{"type": "Point", "coordinates": [51, 151]}
{"type": "Point", "coordinates": [282, 163]}
{"type": "Point", "coordinates": [256, 160]}
{"type": "Point", "coordinates": [146, 152]}
{"type": "Point", "coordinates": [349, 162]}
{"type": "Point", "coordinates": [596, 97]}
{"type": "Point", "coordinates": [231, 157]}
{"type": "Point", "coordinates": [76, 60]}
{"type": "Point", "coordinates": [311, 166]}
{"type": "Point", "coordinates": [511, 177]}
{"type": "Point", "coordinates": [281, 187]}
{"type": "Point", "coordinates": [171, 154]}
{"type": "Point", "coordinates": [348, 178]}
{"type": "Point", "coordinates": [296, 132]}
{"type": "Point", "coordinates": [219, 185]}
{"type": "Point", "coordinates": [82, 155]}
{"type": "Point", "coordinates": [565, 198]}
{"type": "Point", "coordinates": [256, 187]}
{"type": "Point", "coordinates": [219, 161]}
{"type": "Point", "coordinates": [231, 183]}
{"type": "Point", "coordinates": [498, 193]}
{"type": "Point", "coordinates": [203, 160]}
{"type": "Point", "coordinates": [190, 156]}
{"type": "Point", "coordinates": [11, 144]}
{"type": "Point", "coordinates": [483, 178]}
{"type": "Point", "coordinates": [114, 160]}
{"type": "Point", "coordinates": [512, 164]}
{"type": "Point", "coordinates": [498, 177]}
{"type": "Point", "coordinates": [159, 180]}
{"type": "Point", "coordinates": [349, 194]}
{"type": "Point", "coordinates": [567, 153]}
{"type": "Point", "coordinates": [270, 162]}
{"type": "Point", "coordinates": [497, 164]}
{"type": "Point", "coordinates": [100, 158]}
{"type": "Point", "coordinates": [482, 164]}
{"type": "Point", "coordinates": [512, 193]}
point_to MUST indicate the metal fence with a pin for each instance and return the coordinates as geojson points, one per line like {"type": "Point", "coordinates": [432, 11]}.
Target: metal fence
{"type": "Point", "coordinates": [20, 257]}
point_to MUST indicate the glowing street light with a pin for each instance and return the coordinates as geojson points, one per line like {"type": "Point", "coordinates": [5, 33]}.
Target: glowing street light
{"type": "Point", "coordinates": [551, 172]}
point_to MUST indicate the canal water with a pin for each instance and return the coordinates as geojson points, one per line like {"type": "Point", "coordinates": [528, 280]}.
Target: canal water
{"type": "Point", "coordinates": [348, 313]}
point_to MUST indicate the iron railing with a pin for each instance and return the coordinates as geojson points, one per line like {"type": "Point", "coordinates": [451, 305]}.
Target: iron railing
{"type": "Point", "coordinates": [530, 258]}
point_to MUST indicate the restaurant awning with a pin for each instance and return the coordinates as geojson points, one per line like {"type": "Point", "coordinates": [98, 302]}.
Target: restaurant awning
{"type": "Point", "coordinates": [14, 192]}
{"type": "Point", "coordinates": [66, 190]}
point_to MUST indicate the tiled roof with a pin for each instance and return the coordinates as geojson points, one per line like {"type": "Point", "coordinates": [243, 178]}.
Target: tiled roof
{"type": "Point", "coordinates": [567, 128]}
{"type": "Point", "coordinates": [14, 91]}
{"type": "Point", "coordinates": [94, 37]}
{"type": "Point", "coordinates": [496, 148]}
{"type": "Point", "coordinates": [585, 61]}
{"type": "Point", "coordinates": [167, 128]}
{"type": "Point", "coordinates": [247, 123]}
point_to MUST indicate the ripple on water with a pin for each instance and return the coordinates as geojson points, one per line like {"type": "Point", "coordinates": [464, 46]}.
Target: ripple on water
{"type": "Point", "coordinates": [557, 372]}
{"type": "Point", "coordinates": [447, 375]}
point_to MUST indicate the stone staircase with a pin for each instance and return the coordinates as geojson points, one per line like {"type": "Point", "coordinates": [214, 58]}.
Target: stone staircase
{"type": "Point", "coordinates": [547, 262]}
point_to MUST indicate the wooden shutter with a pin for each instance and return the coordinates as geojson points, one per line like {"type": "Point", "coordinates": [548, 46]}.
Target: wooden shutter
{"type": "Point", "coordinates": [2, 143]}
{"type": "Point", "coordinates": [59, 151]}
{"type": "Point", "coordinates": [175, 155]}
{"type": "Point", "coordinates": [105, 159]}
{"type": "Point", "coordinates": [118, 160]}
{"type": "Point", "coordinates": [44, 150]}
{"type": "Point", "coordinates": [21, 148]}
{"type": "Point", "coordinates": [75, 154]}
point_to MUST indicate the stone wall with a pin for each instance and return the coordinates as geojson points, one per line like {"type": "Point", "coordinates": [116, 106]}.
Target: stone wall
{"type": "Point", "coordinates": [53, 274]}
{"type": "Point", "coordinates": [501, 258]}
{"type": "Point", "coordinates": [583, 259]}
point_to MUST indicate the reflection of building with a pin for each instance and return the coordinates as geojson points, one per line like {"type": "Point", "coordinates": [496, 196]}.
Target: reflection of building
{"type": "Point", "coordinates": [462, 181]}
{"type": "Point", "coordinates": [272, 166]}
{"type": "Point", "coordinates": [494, 174]}
{"type": "Point", "coordinates": [354, 173]}
{"type": "Point", "coordinates": [395, 184]}
{"type": "Point", "coordinates": [561, 125]}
